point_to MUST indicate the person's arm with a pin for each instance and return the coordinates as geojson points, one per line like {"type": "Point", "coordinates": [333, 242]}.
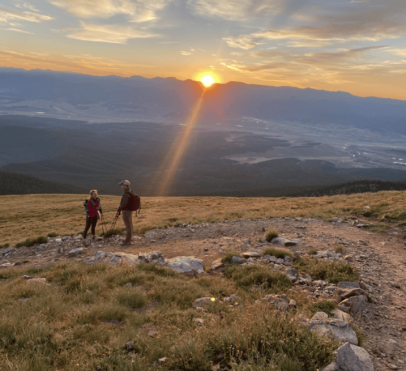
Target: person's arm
{"type": "Point", "coordinates": [99, 207]}
{"type": "Point", "coordinates": [124, 201]}
{"type": "Point", "coordinates": [85, 205]}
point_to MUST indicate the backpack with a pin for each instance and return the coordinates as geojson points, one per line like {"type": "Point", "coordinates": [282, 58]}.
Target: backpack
{"type": "Point", "coordinates": [135, 202]}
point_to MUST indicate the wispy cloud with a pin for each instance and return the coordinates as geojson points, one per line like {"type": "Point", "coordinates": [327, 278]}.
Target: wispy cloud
{"type": "Point", "coordinates": [136, 10]}
{"type": "Point", "coordinates": [235, 10]}
{"type": "Point", "coordinates": [7, 15]}
{"type": "Point", "coordinates": [18, 30]}
{"type": "Point", "coordinates": [108, 33]}
{"type": "Point", "coordinates": [185, 53]}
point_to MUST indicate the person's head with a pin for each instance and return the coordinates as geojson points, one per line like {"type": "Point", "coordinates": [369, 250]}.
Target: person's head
{"type": "Point", "coordinates": [94, 194]}
{"type": "Point", "coordinates": [125, 184]}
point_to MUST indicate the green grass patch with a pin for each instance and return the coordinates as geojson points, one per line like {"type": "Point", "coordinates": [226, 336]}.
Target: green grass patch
{"type": "Point", "coordinates": [331, 271]}
{"type": "Point", "coordinates": [248, 276]}
{"type": "Point", "coordinates": [325, 306]}
{"type": "Point", "coordinates": [29, 242]}
{"type": "Point", "coordinates": [5, 246]}
{"type": "Point", "coordinates": [278, 252]}
{"type": "Point", "coordinates": [52, 234]}
{"type": "Point", "coordinates": [378, 227]}
{"type": "Point", "coordinates": [312, 252]}
{"type": "Point", "coordinates": [271, 234]}
{"type": "Point", "coordinates": [131, 298]}
{"type": "Point", "coordinates": [360, 335]}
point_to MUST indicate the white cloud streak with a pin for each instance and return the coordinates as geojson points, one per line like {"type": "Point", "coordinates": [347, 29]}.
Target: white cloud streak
{"type": "Point", "coordinates": [7, 15]}
{"type": "Point", "coordinates": [108, 33]}
{"type": "Point", "coordinates": [136, 10]}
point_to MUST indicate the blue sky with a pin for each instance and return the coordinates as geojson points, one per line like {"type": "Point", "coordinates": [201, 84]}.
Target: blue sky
{"type": "Point", "coordinates": [357, 46]}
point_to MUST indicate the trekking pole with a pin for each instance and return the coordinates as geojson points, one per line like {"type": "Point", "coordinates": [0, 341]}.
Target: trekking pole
{"type": "Point", "coordinates": [113, 224]}
{"type": "Point", "coordinates": [103, 224]}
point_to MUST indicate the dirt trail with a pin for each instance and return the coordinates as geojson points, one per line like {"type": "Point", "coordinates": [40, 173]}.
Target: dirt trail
{"type": "Point", "coordinates": [379, 257]}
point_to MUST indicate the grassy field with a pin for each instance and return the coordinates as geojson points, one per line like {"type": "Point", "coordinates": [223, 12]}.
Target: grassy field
{"type": "Point", "coordinates": [83, 319]}
{"type": "Point", "coordinates": [30, 216]}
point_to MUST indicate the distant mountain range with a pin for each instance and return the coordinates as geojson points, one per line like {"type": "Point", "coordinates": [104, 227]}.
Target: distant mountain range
{"type": "Point", "coordinates": [114, 98]}
{"type": "Point", "coordinates": [247, 139]}
{"type": "Point", "coordinates": [18, 184]}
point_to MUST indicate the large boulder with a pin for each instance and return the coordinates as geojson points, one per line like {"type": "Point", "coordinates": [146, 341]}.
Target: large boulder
{"type": "Point", "coordinates": [353, 358]}
{"type": "Point", "coordinates": [237, 260]}
{"type": "Point", "coordinates": [185, 264]}
{"type": "Point", "coordinates": [347, 293]}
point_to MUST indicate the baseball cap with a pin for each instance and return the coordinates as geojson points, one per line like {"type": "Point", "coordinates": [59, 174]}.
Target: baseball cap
{"type": "Point", "coordinates": [125, 182]}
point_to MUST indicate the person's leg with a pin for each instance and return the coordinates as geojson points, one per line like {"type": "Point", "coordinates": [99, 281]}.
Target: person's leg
{"type": "Point", "coordinates": [94, 222]}
{"type": "Point", "coordinates": [88, 223]}
{"type": "Point", "coordinates": [128, 224]}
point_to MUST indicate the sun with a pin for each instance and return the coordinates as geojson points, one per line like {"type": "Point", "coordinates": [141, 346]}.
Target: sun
{"type": "Point", "coordinates": [207, 81]}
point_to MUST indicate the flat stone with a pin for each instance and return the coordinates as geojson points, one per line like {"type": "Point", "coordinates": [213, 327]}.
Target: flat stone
{"type": "Point", "coordinates": [331, 367]}
{"type": "Point", "coordinates": [292, 272]}
{"type": "Point", "coordinates": [217, 264]}
{"type": "Point", "coordinates": [342, 316]}
{"type": "Point", "coordinates": [347, 293]}
{"type": "Point", "coordinates": [353, 358]}
{"type": "Point", "coordinates": [320, 316]}
{"type": "Point", "coordinates": [185, 264]}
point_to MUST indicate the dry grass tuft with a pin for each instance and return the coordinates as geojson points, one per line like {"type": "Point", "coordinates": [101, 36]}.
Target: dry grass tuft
{"type": "Point", "coordinates": [271, 234]}
{"type": "Point", "coordinates": [278, 252]}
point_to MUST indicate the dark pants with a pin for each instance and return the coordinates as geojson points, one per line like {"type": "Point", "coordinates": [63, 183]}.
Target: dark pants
{"type": "Point", "coordinates": [128, 221]}
{"type": "Point", "coordinates": [90, 221]}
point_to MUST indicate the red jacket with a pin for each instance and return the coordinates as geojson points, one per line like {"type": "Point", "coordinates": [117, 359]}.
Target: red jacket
{"type": "Point", "coordinates": [92, 206]}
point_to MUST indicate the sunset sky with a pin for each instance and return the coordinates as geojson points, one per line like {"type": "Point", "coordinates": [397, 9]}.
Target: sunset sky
{"type": "Point", "coordinates": [357, 46]}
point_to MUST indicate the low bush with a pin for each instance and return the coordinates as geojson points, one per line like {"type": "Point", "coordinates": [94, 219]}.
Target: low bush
{"type": "Point", "coordinates": [312, 252]}
{"type": "Point", "coordinates": [29, 242]}
{"type": "Point", "coordinates": [271, 234]}
{"type": "Point", "coordinates": [331, 271]}
{"type": "Point", "coordinates": [278, 252]}
{"type": "Point", "coordinates": [4, 246]}
{"type": "Point", "coordinates": [248, 276]}
{"type": "Point", "coordinates": [339, 249]}
{"type": "Point", "coordinates": [52, 234]}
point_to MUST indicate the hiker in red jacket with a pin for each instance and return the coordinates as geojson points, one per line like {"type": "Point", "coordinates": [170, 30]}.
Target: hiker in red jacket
{"type": "Point", "coordinates": [127, 206]}
{"type": "Point", "coordinates": [92, 207]}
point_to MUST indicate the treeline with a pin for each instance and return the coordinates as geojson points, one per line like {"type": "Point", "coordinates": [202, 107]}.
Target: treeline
{"type": "Point", "coordinates": [360, 186]}
{"type": "Point", "coordinates": [17, 184]}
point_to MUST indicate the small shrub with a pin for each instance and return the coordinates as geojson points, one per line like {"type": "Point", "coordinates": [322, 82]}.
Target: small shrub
{"type": "Point", "coordinates": [333, 272]}
{"type": "Point", "coordinates": [4, 246]}
{"type": "Point", "coordinates": [131, 299]}
{"type": "Point", "coordinates": [271, 234]}
{"type": "Point", "coordinates": [404, 236]}
{"type": "Point", "coordinates": [339, 249]}
{"type": "Point", "coordinates": [312, 252]}
{"type": "Point", "coordinates": [322, 306]}
{"type": "Point", "coordinates": [52, 234]}
{"type": "Point", "coordinates": [229, 255]}
{"type": "Point", "coordinates": [21, 262]}
{"type": "Point", "coordinates": [32, 241]}
{"type": "Point", "coordinates": [369, 299]}
{"type": "Point", "coordinates": [277, 252]}
{"type": "Point", "coordinates": [248, 276]}
{"type": "Point", "coordinates": [360, 335]}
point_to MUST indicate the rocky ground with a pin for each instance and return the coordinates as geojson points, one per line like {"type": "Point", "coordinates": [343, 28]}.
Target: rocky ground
{"type": "Point", "coordinates": [380, 258]}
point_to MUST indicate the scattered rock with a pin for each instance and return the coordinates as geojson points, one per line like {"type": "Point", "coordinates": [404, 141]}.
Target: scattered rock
{"type": "Point", "coordinates": [353, 358]}
{"type": "Point", "coordinates": [279, 302]}
{"type": "Point", "coordinates": [237, 260]}
{"type": "Point", "coordinates": [331, 367]}
{"type": "Point", "coordinates": [292, 272]}
{"type": "Point", "coordinates": [61, 249]}
{"type": "Point", "coordinates": [353, 305]}
{"type": "Point", "coordinates": [334, 327]}
{"type": "Point", "coordinates": [75, 252]}
{"type": "Point", "coordinates": [129, 346]}
{"type": "Point", "coordinates": [30, 279]}
{"type": "Point", "coordinates": [251, 254]}
{"type": "Point", "coordinates": [199, 321]}
{"type": "Point", "coordinates": [342, 316]}
{"type": "Point", "coordinates": [185, 264]}
{"type": "Point", "coordinates": [231, 298]}
{"type": "Point", "coordinates": [163, 360]}
{"type": "Point", "coordinates": [348, 285]}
